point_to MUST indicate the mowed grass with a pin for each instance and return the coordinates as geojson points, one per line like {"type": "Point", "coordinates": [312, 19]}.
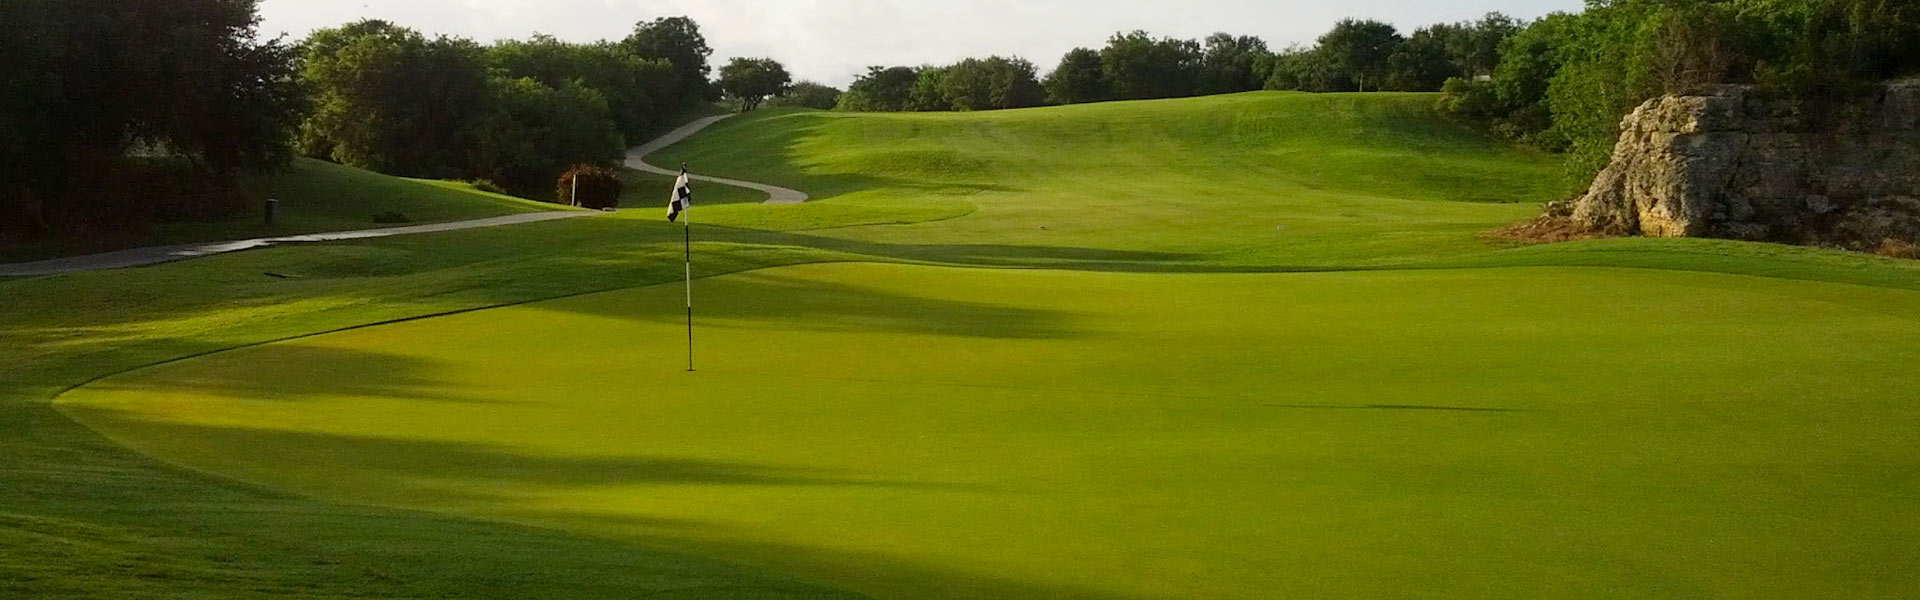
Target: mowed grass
{"type": "Point", "coordinates": [917, 432]}
{"type": "Point", "coordinates": [1720, 419]}
{"type": "Point", "coordinates": [1267, 178]}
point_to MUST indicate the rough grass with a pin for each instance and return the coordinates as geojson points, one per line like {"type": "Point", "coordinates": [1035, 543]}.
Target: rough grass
{"type": "Point", "coordinates": [1719, 418]}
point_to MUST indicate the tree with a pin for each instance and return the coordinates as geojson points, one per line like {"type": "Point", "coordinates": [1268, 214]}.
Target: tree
{"type": "Point", "coordinates": [1475, 47]}
{"type": "Point", "coordinates": [84, 82]}
{"type": "Point", "coordinates": [882, 89]}
{"type": "Point", "coordinates": [390, 100]}
{"type": "Point", "coordinates": [1362, 49]}
{"type": "Point", "coordinates": [640, 92]}
{"type": "Point", "coordinates": [990, 83]}
{"type": "Point", "coordinates": [533, 131]}
{"type": "Point", "coordinates": [1138, 67]}
{"type": "Point", "coordinates": [1426, 60]}
{"type": "Point", "coordinates": [752, 80]}
{"type": "Point", "coordinates": [809, 94]}
{"type": "Point", "coordinates": [1078, 79]}
{"type": "Point", "coordinates": [929, 90]}
{"type": "Point", "coordinates": [1232, 64]}
{"type": "Point", "coordinates": [1308, 70]}
{"type": "Point", "coordinates": [678, 41]}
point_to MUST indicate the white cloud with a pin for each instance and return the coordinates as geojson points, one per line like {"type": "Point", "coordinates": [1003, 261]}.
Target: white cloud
{"type": "Point", "coordinates": [832, 41]}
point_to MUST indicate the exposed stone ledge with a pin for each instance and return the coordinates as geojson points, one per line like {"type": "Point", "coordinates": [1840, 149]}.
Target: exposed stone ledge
{"type": "Point", "coordinates": [1727, 164]}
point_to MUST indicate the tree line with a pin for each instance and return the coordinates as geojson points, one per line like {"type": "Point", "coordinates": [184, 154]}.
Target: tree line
{"type": "Point", "coordinates": [118, 114]}
{"type": "Point", "coordinates": [1564, 82]}
{"type": "Point", "coordinates": [516, 113]}
{"type": "Point", "coordinates": [1356, 55]}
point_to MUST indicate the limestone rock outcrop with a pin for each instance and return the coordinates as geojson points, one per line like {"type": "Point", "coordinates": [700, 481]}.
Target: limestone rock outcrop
{"type": "Point", "coordinates": [1727, 163]}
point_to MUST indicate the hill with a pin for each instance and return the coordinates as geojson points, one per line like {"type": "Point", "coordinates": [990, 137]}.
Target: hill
{"type": "Point", "coordinates": [317, 196]}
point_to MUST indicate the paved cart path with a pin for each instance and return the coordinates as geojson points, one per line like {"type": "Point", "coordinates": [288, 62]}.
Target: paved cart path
{"type": "Point", "coordinates": [151, 255]}
{"type": "Point", "coordinates": [136, 257]}
{"type": "Point", "coordinates": [636, 159]}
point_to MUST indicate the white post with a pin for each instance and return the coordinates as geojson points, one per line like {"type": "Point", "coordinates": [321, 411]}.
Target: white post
{"type": "Point", "coordinates": [575, 200]}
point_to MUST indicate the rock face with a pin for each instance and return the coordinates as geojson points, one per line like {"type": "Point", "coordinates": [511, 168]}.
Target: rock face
{"type": "Point", "coordinates": [1728, 164]}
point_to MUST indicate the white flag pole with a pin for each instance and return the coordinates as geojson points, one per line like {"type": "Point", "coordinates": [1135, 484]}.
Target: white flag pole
{"type": "Point", "coordinates": [687, 239]}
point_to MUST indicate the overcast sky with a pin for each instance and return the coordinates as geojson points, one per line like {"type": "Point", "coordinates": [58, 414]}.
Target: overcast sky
{"type": "Point", "coordinates": [832, 41]}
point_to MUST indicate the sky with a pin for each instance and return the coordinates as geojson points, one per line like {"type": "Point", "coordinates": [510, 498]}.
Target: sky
{"type": "Point", "coordinates": [833, 41]}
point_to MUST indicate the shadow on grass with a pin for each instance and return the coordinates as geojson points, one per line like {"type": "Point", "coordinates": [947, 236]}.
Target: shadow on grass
{"type": "Point", "coordinates": [479, 471]}
{"type": "Point", "coordinates": [246, 539]}
{"type": "Point", "coordinates": [294, 372]}
{"type": "Point", "coordinates": [763, 299]}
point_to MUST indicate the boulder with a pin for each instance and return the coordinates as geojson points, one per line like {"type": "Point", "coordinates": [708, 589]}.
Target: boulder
{"type": "Point", "coordinates": [1728, 163]}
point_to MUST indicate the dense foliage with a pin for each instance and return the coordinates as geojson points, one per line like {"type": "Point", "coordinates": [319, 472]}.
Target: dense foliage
{"type": "Point", "coordinates": [991, 83]}
{"type": "Point", "coordinates": [640, 92]}
{"type": "Point", "coordinates": [1567, 80]}
{"type": "Point", "coordinates": [389, 99]}
{"type": "Point", "coordinates": [117, 112]}
{"type": "Point", "coordinates": [752, 80]}
{"type": "Point", "coordinates": [809, 94]}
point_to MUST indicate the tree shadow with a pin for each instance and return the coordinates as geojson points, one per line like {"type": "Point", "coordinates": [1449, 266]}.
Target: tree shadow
{"type": "Point", "coordinates": [985, 255]}
{"type": "Point", "coordinates": [289, 372]}
{"type": "Point", "coordinates": [815, 305]}
{"type": "Point", "coordinates": [343, 547]}
{"type": "Point", "coordinates": [474, 471]}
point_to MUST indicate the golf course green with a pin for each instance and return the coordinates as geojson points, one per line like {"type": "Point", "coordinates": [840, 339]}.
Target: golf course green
{"type": "Point", "coordinates": [1246, 346]}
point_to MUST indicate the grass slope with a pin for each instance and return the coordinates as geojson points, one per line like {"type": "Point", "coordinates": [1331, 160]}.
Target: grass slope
{"type": "Point", "coordinates": [1683, 418]}
{"type": "Point", "coordinates": [317, 196]}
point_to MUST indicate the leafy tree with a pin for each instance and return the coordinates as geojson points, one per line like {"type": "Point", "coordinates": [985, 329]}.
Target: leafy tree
{"type": "Point", "coordinates": [752, 80]}
{"type": "Point", "coordinates": [533, 131]}
{"type": "Point", "coordinates": [1309, 70]}
{"type": "Point", "coordinates": [1475, 48]}
{"type": "Point", "coordinates": [391, 100]}
{"type": "Point", "coordinates": [678, 41]}
{"type": "Point", "coordinates": [639, 92]}
{"type": "Point", "coordinates": [1078, 79]}
{"type": "Point", "coordinates": [929, 90]}
{"type": "Point", "coordinates": [1232, 64]}
{"type": "Point", "coordinates": [85, 82]}
{"type": "Point", "coordinates": [1426, 60]}
{"type": "Point", "coordinates": [809, 94]}
{"type": "Point", "coordinates": [1362, 49]}
{"type": "Point", "coordinates": [1136, 66]}
{"type": "Point", "coordinates": [882, 89]}
{"type": "Point", "coordinates": [990, 83]}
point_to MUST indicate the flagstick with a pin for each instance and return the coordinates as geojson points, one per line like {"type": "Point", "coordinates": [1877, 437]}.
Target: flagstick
{"type": "Point", "coordinates": [687, 238]}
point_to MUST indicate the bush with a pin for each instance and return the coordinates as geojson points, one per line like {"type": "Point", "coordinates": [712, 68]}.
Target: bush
{"type": "Point", "coordinates": [599, 187]}
{"type": "Point", "coordinates": [487, 185]}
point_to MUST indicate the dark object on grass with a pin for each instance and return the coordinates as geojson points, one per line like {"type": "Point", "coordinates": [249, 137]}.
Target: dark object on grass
{"type": "Point", "coordinates": [600, 187]}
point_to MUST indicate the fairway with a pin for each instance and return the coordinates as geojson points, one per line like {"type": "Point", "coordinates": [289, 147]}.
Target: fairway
{"type": "Point", "coordinates": [930, 432]}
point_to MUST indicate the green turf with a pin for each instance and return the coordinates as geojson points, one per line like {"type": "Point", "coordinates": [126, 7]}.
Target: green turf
{"type": "Point", "coordinates": [1124, 435]}
{"type": "Point", "coordinates": [1719, 419]}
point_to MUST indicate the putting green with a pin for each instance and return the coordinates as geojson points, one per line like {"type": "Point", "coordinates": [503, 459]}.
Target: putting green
{"type": "Point", "coordinates": [923, 432]}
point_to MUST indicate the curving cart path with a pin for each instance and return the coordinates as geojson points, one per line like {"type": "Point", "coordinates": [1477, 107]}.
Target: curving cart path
{"type": "Point", "coordinates": [636, 159]}
{"type": "Point", "coordinates": [153, 255]}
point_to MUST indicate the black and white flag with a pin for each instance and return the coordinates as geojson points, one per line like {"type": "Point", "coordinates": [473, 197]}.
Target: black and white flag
{"type": "Point", "coordinates": [682, 197]}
